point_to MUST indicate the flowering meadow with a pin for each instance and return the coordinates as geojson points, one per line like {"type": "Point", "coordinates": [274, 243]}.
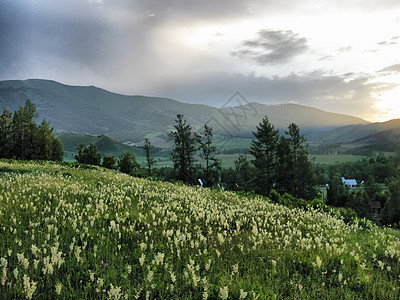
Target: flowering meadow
{"type": "Point", "coordinates": [71, 232]}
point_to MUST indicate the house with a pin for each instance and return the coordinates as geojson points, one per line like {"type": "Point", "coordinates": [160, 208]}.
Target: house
{"type": "Point", "coordinates": [352, 183]}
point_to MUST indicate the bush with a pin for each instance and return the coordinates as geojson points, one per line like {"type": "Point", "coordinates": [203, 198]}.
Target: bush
{"type": "Point", "coordinates": [128, 164]}
{"type": "Point", "coordinates": [109, 162]}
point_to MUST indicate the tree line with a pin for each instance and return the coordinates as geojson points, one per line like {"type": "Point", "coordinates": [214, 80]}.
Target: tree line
{"type": "Point", "coordinates": [280, 161]}
{"type": "Point", "coordinates": [126, 163]}
{"type": "Point", "coordinates": [380, 188]}
{"type": "Point", "coordinates": [22, 138]}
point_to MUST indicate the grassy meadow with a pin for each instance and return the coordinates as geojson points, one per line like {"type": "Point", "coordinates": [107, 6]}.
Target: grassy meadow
{"type": "Point", "coordinates": [75, 232]}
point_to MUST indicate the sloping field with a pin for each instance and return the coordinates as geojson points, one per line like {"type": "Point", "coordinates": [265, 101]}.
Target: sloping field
{"type": "Point", "coordinates": [71, 233]}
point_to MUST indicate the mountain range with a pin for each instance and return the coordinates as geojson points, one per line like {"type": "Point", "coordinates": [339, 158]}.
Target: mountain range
{"type": "Point", "coordinates": [94, 111]}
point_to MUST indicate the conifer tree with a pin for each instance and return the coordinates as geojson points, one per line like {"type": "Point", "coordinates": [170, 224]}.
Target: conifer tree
{"type": "Point", "coordinates": [264, 151]}
{"type": "Point", "coordinates": [6, 134]}
{"type": "Point", "coordinates": [149, 160]}
{"type": "Point", "coordinates": [209, 153]}
{"type": "Point", "coordinates": [301, 176]}
{"type": "Point", "coordinates": [22, 138]}
{"type": "Point", "coordinates": [183, 150]}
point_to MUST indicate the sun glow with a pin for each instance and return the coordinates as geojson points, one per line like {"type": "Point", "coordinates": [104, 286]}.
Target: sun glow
{"type": "Point", "coordinates": [389, 108]}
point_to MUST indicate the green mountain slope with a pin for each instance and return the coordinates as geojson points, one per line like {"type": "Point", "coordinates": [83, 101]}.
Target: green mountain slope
{"type": "Point", "coordinates": [365, 134]}
{"type": "Point", "coordinates": [94, 111]}
{"type": "Point", "coordinates": [91, 233]}
{"type": "Point", "coordinates": [105, 145]}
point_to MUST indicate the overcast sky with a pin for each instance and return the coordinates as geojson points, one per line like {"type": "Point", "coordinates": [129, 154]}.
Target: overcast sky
{"type": "Point", "coordinates": [337, 55]}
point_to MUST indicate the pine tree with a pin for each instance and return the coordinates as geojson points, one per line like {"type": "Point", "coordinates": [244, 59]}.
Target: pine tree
{"type": "Point", "coordinates": [24, 131]}
{"type": "Point", "coordinates": [183, 150]}
{"type": "Point", "coordinates": [57, 152]}
{"type": "Point", "coordinates": [6, 134]}
{"type": "Point", "coordinates": [264, 151]}
{"type": "Point", "coordinates": [209, 154]}
{"type": "Point", "coordinates": [243, 176]}
{"type": "Point", "coordinates": [149, 160]}
{"type": "Point", "coordinates": [22, 138]}
{"type": "Point", "coordinates": [284, 170]}
{"type": "Point", "coordinates": [43, 142]}
{"type": "Point", "coordinates": [300, 172]}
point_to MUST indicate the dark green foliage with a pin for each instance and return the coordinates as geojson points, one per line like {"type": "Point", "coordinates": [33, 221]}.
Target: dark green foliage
{"type": "Point", "coordinates": [109, 162]}
{"type": "Point", "coordinates": [88, 155]}
{"type": "Point", "coordinates": [6, 134]}
{"type": "Point", "coordinates": [264, 151]}
{"type": "Point", "coordinates": [22, 138]}
{"type": "Point", "coordinates": [244, 174]}
{"type": "Point", "coordinates": [284, 175]}
{"type": "Point", "coordinates": [127, 163]}
{"type": "Point", "coordinates": [360, 203]}
{"type": "Point", "coordinates": [282, 162]}
{"type": "Point", "coordinates": [391, 210]}
{"type": "Point", "coordinates": [382, 169]}
{"type": "Point", "coordinates": [209, 153]}
{"type": "Point", "coordinates": [183, 150]}
{"type": "Point", "coordinates": [57, 152]}
{"type": "Point", "coordinates": [302, 183]}
{"type": "Point", "coordinates": [149, 160]}
{"type": "Point", "coordinates": [337, 192]}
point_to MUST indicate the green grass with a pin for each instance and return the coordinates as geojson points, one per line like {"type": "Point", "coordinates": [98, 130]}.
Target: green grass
{"type": "Point", "coordinates": [70, 232]}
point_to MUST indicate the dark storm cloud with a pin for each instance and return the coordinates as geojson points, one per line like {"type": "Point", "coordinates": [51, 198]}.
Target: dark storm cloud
{"type": "Point", "coordinates": [40, 34]}
{"type": "Point", "coordinates": [75, 41]}
{"type": "Point", "coordinates": [273, 47]}
{"type": "Point", "coordinates": [11, 35]}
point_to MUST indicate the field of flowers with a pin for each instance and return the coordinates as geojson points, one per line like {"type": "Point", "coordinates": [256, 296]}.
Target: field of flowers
{"type": "Point", "coordinates": [90, 233]}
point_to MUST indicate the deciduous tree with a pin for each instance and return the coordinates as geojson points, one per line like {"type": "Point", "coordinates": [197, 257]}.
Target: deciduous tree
{"type": "Point", "coordinates": [127, 163]}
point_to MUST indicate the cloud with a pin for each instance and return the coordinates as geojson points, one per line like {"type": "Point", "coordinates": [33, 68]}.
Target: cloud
{"type": "Point", "coordinates": [345, 49]}
{"type": "Point", "coordinates": [274, 47]}
{"type": "Point", "coordinates": [387, 43]}
{"type": "Point", "coordinates": [393, 69]}
{"type": "Point", "coordinates": [393, 41]}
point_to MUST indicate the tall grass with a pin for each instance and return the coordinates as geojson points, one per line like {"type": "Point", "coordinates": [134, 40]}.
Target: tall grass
{"type": "Point", "coordinates": [70, 233]}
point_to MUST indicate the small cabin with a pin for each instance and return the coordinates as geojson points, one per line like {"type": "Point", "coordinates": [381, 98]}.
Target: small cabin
{"type": "Point", "coordinates": [352, 183]}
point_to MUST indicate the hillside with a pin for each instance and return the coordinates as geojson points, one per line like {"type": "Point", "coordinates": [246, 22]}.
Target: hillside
{"type": "Point", "coordinates": [94, 111]}
{"type": "Point", "coordinates": [306, 117]}
{"type": "Point", "coordinates": [365, 134]}
{"type": "Point", "coordinates": [105, 144]}
{"type": "Point", "coordinates": [72, 232]}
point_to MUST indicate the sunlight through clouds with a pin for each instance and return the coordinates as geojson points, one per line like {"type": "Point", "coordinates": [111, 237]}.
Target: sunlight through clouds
{"type": "Point", "coordinates": [153, 47]}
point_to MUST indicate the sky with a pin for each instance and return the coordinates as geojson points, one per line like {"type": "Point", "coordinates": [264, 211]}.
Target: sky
{"type": "Point", "coordinates": [337, 55]}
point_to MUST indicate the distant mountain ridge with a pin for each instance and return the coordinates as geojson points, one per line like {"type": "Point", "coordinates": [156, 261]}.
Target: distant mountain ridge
{"type": "Point", "coordinates": [95, 111]}
{"type": "Point", "coordinates": [374, 133]}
